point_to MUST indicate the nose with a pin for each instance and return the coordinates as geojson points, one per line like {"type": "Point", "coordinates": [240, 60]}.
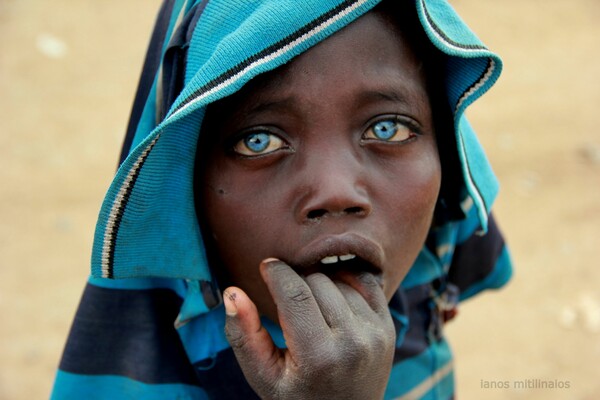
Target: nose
{"type": "Point", "coordinates": [334, 185]}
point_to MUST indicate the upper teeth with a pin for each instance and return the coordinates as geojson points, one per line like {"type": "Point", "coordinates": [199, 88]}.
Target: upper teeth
{"type": "Point", "coordinates": [334, 259]}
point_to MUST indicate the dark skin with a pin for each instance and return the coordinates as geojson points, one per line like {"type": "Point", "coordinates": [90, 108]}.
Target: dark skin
{"type": "Point", "coordinates": [321, 178]}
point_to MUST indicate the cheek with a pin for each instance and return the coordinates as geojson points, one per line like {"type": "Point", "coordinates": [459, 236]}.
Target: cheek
{"type": "Point", "coordinates": [426, 181]}
{"type": "Point", "coordinates": [237, 214]}
{"type": "Point", "coordinates": [412, 189]}
{"type": "Point", "coordinates": [411, 204]}
{"type": "Point", "coordinates": [238, 220]}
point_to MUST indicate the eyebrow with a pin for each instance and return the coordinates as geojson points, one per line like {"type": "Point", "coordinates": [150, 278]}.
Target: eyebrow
{"type": "Point", "coordinates": [269, 105]}
{"type": "Point", "coordinates": [404, 96]}
{"type": "Point", "coordinates": [367, 96]}
{"type": "Point", "coordinates": [412, 98]}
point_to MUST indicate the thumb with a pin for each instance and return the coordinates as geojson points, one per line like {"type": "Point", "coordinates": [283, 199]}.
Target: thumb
{"type": "Point", "coordinates": [261, 361]}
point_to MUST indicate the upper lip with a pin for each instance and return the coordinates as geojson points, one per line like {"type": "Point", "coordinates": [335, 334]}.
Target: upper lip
{"type": "Point", "coordinates": [307, 260]}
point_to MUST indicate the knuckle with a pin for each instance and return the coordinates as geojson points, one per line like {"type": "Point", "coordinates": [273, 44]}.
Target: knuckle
{"type": "Point", "coordinates": [298, 294]}
{"type": "Point", "coordinates": [383, 336]}
{"type": "Point", "coordinates": [361, 350]}
{"type": "Point", "coordinates": [367, 345]}
{"type": "Point", "coordinates": [353, 350]}
{"type": "Point", "coordinates": [383, 340]}
{"type": "Point", "coordinates": [236, 339]}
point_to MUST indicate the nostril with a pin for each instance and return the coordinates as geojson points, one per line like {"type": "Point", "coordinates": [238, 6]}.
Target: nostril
{"type": "Point", "coordinates": [321, 212]}
{"type": "Point", "coordinates": [316, 214]}
{"type": "Point", "coordinates": [354, 210]}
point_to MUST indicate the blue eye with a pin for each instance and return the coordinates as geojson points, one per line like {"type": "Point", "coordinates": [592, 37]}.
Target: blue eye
{"type": "Point", "coordinates": [258, 143]}
{"type": "Point", "coordinates": [389, 130]}
{"type": "Point", "coordinates": [385, 129]}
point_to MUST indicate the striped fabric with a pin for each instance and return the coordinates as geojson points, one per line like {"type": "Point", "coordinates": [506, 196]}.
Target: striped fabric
{"type": "Point", "coordinates": [150, 323]}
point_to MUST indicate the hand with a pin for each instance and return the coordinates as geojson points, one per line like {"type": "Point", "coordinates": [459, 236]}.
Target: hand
{"type": "Point", "coordinates": [340, 336]}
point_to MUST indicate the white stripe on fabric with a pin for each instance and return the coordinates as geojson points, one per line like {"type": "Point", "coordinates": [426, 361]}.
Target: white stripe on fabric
{"type": "Point", "coordinates": [442, 250]}
{"type": "Point", "coordinates": [466, 204]}
{"type": "Point", "coordinates": [110, 223]}
{"type": "Point", "coordinates": [418, 391]}
{"type": "Point", "coordinates": [478, 85]}
{"type": "Point", "coordinates": [480, 51]}
{"type": "Point", "coordinates": [449, 44]}
{"type": "Point", "coordinates": [478, 198]}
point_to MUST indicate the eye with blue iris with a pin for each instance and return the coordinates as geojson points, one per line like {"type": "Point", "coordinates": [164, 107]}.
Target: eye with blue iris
{"type": "Point", "coordinates": [258, 143]}
{"type": "Point", "coordinates": [390, 130]}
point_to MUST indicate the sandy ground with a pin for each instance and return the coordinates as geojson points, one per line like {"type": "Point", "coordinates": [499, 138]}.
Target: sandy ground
{"type": "Point", "coordinates": [68, 71]}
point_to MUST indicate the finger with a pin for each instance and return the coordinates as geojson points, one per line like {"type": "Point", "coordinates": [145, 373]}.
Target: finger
{"type": "Point", "coordinates": [254, 349]}
{"type": "Point", "coordinates": [354, 299]}
{"type": "Point", "coordinates": [331, 301]}
{"type": "Point", "coordinates": [299, 315]}
{"type": "Point", "coordinates": [369, 288]}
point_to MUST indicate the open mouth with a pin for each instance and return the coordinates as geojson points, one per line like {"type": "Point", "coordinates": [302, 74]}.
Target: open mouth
{"type": "Point", "coordinates": [349, 263]}
{"type": "Point", "coordinates": [347, 253]}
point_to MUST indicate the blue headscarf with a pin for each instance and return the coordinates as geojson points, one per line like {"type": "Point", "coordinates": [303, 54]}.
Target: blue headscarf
{"type": "Point", "coordinates": [147, 225]}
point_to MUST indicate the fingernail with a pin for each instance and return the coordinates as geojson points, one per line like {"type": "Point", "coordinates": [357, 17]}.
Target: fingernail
{"type": "Point", "coordinates": [267, 267]}
{"type": "Point", "coordinates": [229, 300]}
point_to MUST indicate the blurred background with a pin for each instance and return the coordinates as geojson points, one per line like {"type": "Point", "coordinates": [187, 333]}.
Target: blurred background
{"type": "Point", "coordinates": [68, 73]}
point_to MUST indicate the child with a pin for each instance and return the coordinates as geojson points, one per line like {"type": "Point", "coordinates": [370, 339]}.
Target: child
{"type": "Point", "coordinates": [311, 161]}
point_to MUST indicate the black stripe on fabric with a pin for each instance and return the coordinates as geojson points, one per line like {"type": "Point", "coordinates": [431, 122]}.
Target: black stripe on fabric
{"type": "Point", "coordinates": [476, 258]}
{"type": "Point", "coordinates": [151, 65]}
{"type": "Point", "coordinates": [419, 315]}
{"type": "Point", "coordinates": [269, 50]}
{"type": "Point", "coordinates": [128, 333]}
{"type": "Point", "coordinates": [222, 378]}
{"type": "Point", "coordinates": [443, 35]}
{"type": "Point", "coordinates": [477, 81]}
{"type": "Point", "coordinates": [175, 57]}
{"type": "Point", "coordinates": [118, 214]}
{"type": "Point", "coordinates": [461, 138]}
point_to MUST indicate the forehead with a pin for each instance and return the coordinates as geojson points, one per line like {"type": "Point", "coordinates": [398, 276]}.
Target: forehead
{"type": "Point", "coordinates": [372, 54]}
{"type": "Point", "coordinates": [371, 38]}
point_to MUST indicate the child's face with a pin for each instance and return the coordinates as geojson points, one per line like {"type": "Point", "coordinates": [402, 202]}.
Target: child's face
{"type": "Point", "coordinates": [333, 154]}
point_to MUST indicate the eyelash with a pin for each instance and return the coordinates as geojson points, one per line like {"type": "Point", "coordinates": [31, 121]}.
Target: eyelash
{"type": "Point", "coordinates": [411, 128]}
{"type": "Point", "coordinates": [240, 144]}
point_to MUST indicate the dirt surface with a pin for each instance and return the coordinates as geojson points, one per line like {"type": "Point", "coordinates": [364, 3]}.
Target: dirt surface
{"type": "Point", "coordinates": [68, 72]}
